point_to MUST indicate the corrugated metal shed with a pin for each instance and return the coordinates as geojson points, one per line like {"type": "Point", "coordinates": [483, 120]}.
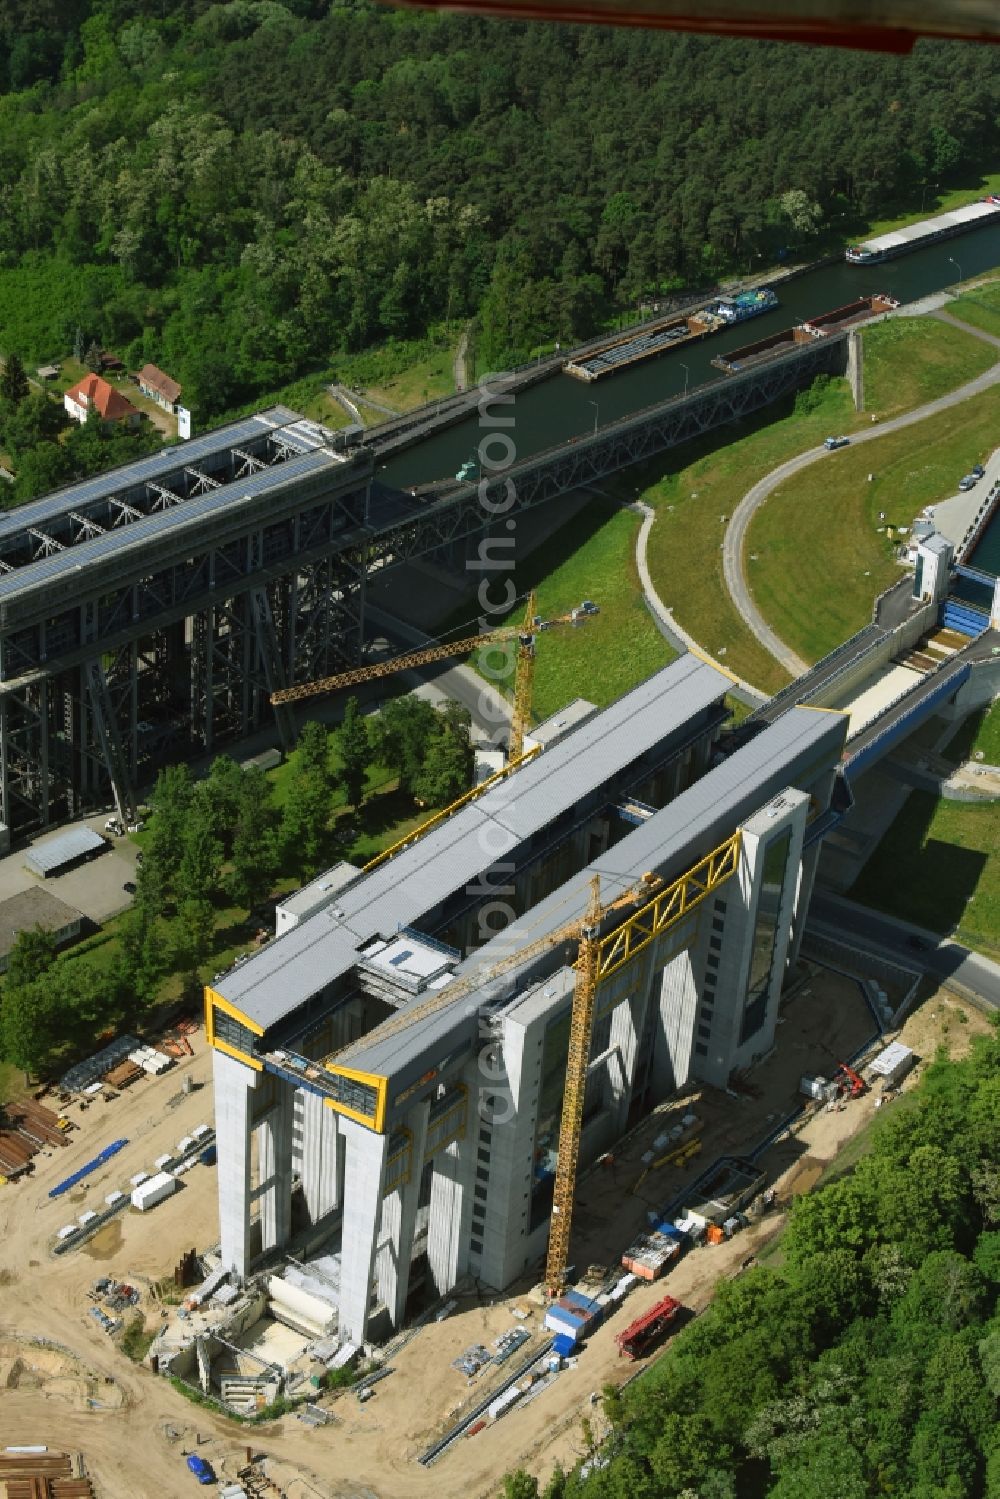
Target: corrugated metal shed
{"type": "Point", "coordinates": [65, 848]}
{"type": "Point", "coordinates": [399, 893]}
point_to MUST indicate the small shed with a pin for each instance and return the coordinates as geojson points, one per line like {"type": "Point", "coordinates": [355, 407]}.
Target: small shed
{"type": "Point", "coordinates": [33, 908]}
{"type": "Point", "coordinates": [48, 372]}
{"type": "Point", "coordinates": [268, 759]}
{"type": "Point", "coordinates": [893, 1063]}
{"type": "Point", "coordinates": [64, 850]}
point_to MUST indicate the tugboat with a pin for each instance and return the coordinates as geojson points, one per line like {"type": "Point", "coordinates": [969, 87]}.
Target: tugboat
{"type": "Point", "coordinates": [469, 470]}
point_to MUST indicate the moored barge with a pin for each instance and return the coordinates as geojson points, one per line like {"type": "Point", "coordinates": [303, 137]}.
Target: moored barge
{"type": "Point", "coordinates": [927, 232]}
{"type": "Point", "coordinates": [657, 338]}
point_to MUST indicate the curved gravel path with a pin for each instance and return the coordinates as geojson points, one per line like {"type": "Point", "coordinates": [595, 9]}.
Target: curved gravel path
{"type": "Point", "coordinates": [674, 632]}
{"type": "Point", "coordinates": [736, 531]}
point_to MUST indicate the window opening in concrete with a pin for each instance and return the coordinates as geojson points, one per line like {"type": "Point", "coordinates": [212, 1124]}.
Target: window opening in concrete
{"type": "Point", "coordinates": [765, 934]}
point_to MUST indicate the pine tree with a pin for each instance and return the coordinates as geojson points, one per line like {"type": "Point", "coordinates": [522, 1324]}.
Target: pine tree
{"type": "Point", "coordinates": [92, 358]}
{"type": "Point", "coordinates": [13, 382]}
{"type": "Point", "coordinates": [255, 850]}
{"type": "Point", "coordinates": [307, 806]}
{"type": "Point", "coordinates": [201, 861]}
{"type": "Point", "coordinates": [355, 753]}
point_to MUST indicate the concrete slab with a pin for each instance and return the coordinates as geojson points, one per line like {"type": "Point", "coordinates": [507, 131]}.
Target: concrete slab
{"type": "Point", "coordinates": [891, 684]}
{"type": "Point", "coordinates": [955, 515]}
{"type": "Point", "coordinates": [95, 888]}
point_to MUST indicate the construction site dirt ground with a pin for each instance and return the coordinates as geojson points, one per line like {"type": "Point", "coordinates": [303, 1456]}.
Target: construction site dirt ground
{"type": "Point", "coordinates": [65, 1383]}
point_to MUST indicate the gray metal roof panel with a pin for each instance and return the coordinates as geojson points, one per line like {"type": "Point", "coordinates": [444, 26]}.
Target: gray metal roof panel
{"type": "Point", "coordinates": [138, 533]}
{"type": "Point", "coordinates": [74, 843]}
{"type": "Point", "coordinates": [283, 976]}
{"type": "Point", "coordinates": [669, 842]}
{"type": "Point", "coordinates": [36, 512]}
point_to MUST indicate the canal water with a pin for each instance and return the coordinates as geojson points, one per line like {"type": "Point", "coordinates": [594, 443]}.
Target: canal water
{"type": "Point", "coordinates": [563, 408]}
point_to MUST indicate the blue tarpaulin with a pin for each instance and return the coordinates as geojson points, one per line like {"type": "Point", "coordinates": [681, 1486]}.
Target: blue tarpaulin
{"type": "Point", "coordinates": [105, 1155]}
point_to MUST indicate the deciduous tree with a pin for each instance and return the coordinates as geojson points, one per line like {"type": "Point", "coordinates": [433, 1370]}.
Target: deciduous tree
{"type": "Point", "coordinates": [355, 750]}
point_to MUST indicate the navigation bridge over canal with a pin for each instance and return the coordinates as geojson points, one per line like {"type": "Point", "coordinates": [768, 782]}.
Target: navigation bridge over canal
{"type": "Point", "coordinates": [150, 613]}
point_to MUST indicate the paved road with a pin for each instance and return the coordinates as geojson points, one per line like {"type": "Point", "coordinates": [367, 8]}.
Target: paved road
{"type": "Point", "coordinates": [736, 531]}
{"type": "Point", "coordinates": [944, 959]}
{"type": "Point", "coordinates": [490, 710]}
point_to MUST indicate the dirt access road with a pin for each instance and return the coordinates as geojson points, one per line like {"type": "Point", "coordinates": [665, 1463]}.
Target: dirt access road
{"type": "Point", "coordinates": [134, 1434]}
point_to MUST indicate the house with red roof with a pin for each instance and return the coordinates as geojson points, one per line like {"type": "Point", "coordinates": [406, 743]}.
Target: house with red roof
{"type": "Point", "coordinates": [159, 387]}
{"type": "Point", "coordinates": [94, 394]}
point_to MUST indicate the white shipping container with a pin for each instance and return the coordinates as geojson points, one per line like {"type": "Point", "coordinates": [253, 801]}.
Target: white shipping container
{"type": "Point", "coordinates": [114, 1197]}
{"type": "Point", "coordinates": [199, 1130]}
{"type": "Point", "coordinates": [155, 1190]}
{"type": "Point", "coordinates": [161, 1161]}
{"type": "Point", "coordinates": [87, 1217]}
{"type": "Point", "coordinates": [503, 1402]}
{"type": "Point", "coordinates": [557, 1320]}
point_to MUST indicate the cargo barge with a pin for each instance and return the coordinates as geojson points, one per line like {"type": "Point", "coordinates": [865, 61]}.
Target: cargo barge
{"type": "Point", "coordinates": [658, 338]}
{"type": "Point", "coordinates": [927, 232]}
{"type": "Point", "coordinates": [821, 326]}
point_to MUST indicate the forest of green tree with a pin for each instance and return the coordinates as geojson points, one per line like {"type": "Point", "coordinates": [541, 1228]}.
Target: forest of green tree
{"type": "Point", "coordinates": [214, 848]}
{"type": "Point", "coordinates": [868, 1364]}
{"type": "Point", "coordinates": [239, 191]}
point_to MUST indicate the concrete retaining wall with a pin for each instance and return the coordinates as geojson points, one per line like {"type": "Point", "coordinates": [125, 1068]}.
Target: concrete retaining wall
{"type": "Point", "coordinates": [978, 692]}
{"type": "Point", "coordinates": [843, 687]}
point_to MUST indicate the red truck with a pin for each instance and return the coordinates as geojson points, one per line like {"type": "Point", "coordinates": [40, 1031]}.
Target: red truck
{"type": "Point", "coordinates": [641, 1334]}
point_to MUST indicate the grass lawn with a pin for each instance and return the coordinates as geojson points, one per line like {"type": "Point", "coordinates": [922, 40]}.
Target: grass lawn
{"type": "Point", "coordinates": [321, 407]}
{"type": "Point", "coordinates": [615, 649]}
{"type": "Point", "coordinates": [939, 866]}
{"type": "Point", "coordinates": [979, 735]}
{"type": "Point", "coordinates": [412, 362]}
{"type": "Point", "coordinates": [11, 1082]}
{"type": "Point", "coordinates": [937, 202]}
{"type": "Point", "coordinates": [702, 481]}
{"type": "Point", "coordinates": [820, 559]}
{"type": "Point", "coordinates": [912, 360]}
{"type": "Point", "coordinates": [427, 380]}
{"type": "Point", "coordinates": [980, 306]}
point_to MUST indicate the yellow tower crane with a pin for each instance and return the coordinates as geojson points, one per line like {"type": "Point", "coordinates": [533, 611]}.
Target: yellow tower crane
{"type": "Point", "coordinates": [593, 951]}
{"type": "Point", "coordinates": [524, 671]}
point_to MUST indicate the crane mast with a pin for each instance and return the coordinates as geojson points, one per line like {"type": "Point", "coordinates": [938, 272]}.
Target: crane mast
{"type": "Point", "coordinates": [581, 1030]}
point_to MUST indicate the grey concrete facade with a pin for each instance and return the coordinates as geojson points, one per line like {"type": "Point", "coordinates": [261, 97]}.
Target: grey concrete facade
{"type": "Point", "coordinates": [430, 1151]}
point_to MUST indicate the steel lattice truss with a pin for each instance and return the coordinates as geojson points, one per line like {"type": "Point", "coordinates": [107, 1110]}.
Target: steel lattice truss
{"type": "Point", "coordinates": [172, 644]}
{"type": "Point", "coordinates": [463, 511]}
{"type": "Point", "coordinates": [175, 649]}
